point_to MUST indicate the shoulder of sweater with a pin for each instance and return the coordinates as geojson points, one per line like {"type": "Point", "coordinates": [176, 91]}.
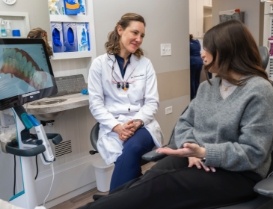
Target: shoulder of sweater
{"type": "Point", "coordinates": [257, 81]}
{"type": "Point", "coordinates": [258, 87]}
{"type": "Point", "coordinates": [214, 81]}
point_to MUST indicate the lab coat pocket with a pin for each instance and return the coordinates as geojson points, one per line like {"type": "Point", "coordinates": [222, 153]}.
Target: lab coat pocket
{"type": "Point", "coordinates": [138, 89]}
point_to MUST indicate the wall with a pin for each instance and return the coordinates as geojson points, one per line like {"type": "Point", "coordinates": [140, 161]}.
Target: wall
{"type": "Point", "coordinates": [38, 17]}
{"type": "Point", "coordinates": [167, 22]}
{"type": "Point", "coordinates": [252, 9]}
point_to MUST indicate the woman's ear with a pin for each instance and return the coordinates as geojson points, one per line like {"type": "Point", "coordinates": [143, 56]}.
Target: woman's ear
{"type": "Point", "coordinates": [119, 30]}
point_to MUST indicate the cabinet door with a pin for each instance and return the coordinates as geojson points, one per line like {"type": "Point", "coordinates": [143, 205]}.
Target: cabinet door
{"type": "Point", "coordinates": [192, 17]}
{"type": "Point", "coordinates": [196, 14]}
{"type": "Point", "coordinates": [208, 3]}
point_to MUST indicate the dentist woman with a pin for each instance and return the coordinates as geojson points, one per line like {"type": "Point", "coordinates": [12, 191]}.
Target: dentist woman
{"type": "Point", "coordinates": [124, 99]}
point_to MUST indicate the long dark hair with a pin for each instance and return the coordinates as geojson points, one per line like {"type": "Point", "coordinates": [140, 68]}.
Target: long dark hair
{"type": "Point", "coordinates": [233, 49]}
{"type": "Point", "coordinates": [112, 45]}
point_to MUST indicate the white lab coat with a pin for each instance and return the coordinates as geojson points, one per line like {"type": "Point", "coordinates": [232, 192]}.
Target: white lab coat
{"type": "Point", "coordinates": [111, 105]}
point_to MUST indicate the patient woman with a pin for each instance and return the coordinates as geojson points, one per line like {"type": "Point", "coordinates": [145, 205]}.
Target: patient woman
{"type": "Point", "coordinates": [224, 138]}
{"type": "Point", "coordinates": [123, 98]}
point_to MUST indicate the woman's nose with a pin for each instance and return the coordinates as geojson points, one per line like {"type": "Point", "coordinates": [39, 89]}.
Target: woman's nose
{"type": "Point", "coordinates": [202, 54]}
{"type": "Point", "coordinates": [139, 39]}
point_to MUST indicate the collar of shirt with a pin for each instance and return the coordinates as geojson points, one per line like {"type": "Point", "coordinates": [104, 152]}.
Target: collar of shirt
{"type": "Point", "coordinates": [226, 88]}
{"type": "Point", "coordinates": [120, 61]}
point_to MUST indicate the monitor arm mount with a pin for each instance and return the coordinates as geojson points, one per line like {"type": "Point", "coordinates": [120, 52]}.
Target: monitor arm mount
{"type": "Point", "coordinates": [27, 145]}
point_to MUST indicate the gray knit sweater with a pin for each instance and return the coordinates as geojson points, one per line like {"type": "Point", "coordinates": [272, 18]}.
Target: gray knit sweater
{"type": "Point", "coordinates": [236, 132]}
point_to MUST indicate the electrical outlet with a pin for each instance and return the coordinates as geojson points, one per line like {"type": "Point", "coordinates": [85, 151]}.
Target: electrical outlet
{"type": "Point", "coordinates": [165, 49]}
{"type": "Point", "coordinates": [168, 110]}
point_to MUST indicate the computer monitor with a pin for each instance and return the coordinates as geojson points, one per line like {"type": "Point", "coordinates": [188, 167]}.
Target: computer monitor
{"type": "Point", "coordinates": [25, 72]}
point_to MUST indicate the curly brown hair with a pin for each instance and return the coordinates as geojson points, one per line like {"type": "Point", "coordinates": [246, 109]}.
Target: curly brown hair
{"type": "Point", "coordinates": [40, 33]}
{"type": "Point", "coordinates": [112, 45]}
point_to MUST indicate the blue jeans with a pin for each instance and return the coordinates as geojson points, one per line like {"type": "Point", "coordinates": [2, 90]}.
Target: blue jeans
{"type": "Point", "coordinates": [128, 164]}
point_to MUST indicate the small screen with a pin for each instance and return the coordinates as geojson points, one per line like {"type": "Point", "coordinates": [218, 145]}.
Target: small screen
{"type": "Point", "coordinates": [25, 72]}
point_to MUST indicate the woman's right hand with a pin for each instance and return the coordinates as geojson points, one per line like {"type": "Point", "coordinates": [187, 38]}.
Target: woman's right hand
{"type": "Point", "coordinates": [124, 130]}
{"type": "Point", "coordinates": [194, 161]}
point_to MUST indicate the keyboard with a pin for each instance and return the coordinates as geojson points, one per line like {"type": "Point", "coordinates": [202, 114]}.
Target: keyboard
{"type": "Point", "coordinates": [70, 84]}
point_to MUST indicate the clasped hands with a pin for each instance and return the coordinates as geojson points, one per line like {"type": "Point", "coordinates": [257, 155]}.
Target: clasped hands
{"type": "Point", "coordinates": [126, 130]}
{"type": "Point", "coordinates": [191, 150]}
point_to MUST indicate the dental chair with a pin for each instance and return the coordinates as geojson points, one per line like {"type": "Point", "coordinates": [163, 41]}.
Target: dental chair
{"type": "Point", "coordinates": [264, 188]}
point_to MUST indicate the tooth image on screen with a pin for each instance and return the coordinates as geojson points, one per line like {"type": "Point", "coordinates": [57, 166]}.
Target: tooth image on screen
{"type": "Point", "coordinates": [19, 63]}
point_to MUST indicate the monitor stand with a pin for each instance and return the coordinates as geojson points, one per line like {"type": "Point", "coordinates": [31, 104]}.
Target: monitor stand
{"type": "Point", "coordinates": [27, 146]}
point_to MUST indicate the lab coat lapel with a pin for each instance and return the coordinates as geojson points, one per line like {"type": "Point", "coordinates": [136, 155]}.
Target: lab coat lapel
{"type": "Point", "coordinates": [113, 62]}
{"type": "Point", "coordinates": [131, 67]}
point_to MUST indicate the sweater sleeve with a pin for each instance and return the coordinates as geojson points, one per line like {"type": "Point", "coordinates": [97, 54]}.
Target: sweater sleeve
{"type": "Point", "coordinates": [183, 131]}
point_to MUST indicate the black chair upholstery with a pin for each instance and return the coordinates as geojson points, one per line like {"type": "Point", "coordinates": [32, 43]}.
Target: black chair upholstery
{"type": "Point", "coordinates": [94, 135]}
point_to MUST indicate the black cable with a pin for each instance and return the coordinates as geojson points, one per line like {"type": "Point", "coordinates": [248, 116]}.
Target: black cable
{"type": "Point", "coordinates": [14, 174]}
{"type": "Point", "coordinates": [37, 169]}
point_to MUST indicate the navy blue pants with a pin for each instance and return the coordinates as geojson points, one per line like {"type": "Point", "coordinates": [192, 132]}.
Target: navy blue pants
{"type": "Point", "coordinates": [128, 164]}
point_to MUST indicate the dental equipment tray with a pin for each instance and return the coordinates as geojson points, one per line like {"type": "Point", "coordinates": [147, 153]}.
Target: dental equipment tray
{"type": "Point", "coordinates": [70, 84]}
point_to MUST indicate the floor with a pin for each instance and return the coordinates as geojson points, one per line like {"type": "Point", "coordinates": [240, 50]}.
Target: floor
{"type": "Point", "coordinates": [78, 201]}
{"type": "Point", "coordinates": [87, 197]}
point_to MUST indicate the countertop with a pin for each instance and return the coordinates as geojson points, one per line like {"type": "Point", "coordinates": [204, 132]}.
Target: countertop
{"type": "Point", "coordinates": [57, 104]}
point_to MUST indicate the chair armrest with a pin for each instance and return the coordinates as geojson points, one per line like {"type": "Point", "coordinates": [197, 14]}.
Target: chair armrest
{"type": "Point", "coordinates": [265, 187]}
{"type": "Point", "coordinates": [154, 156]}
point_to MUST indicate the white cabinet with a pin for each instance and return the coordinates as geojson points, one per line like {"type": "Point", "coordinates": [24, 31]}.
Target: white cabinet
{"type": "Point", "coordinates": [207, 3]}
{"type": "Point", "coordinates": [87, 21]}
{"type": "Point", "coordinates": [196, 18]}
{"type": "Point", "coordinates": [200, 17]}
{"type": "Point", "coordinates": [18, 21]}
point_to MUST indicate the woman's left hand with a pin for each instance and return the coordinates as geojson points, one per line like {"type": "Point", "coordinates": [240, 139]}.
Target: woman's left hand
{"type": "Point", "coordinates": [137, 124]}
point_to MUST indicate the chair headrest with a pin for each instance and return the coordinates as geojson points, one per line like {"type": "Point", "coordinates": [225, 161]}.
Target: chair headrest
{"type": "Point", "coordinates": [264, 55]}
